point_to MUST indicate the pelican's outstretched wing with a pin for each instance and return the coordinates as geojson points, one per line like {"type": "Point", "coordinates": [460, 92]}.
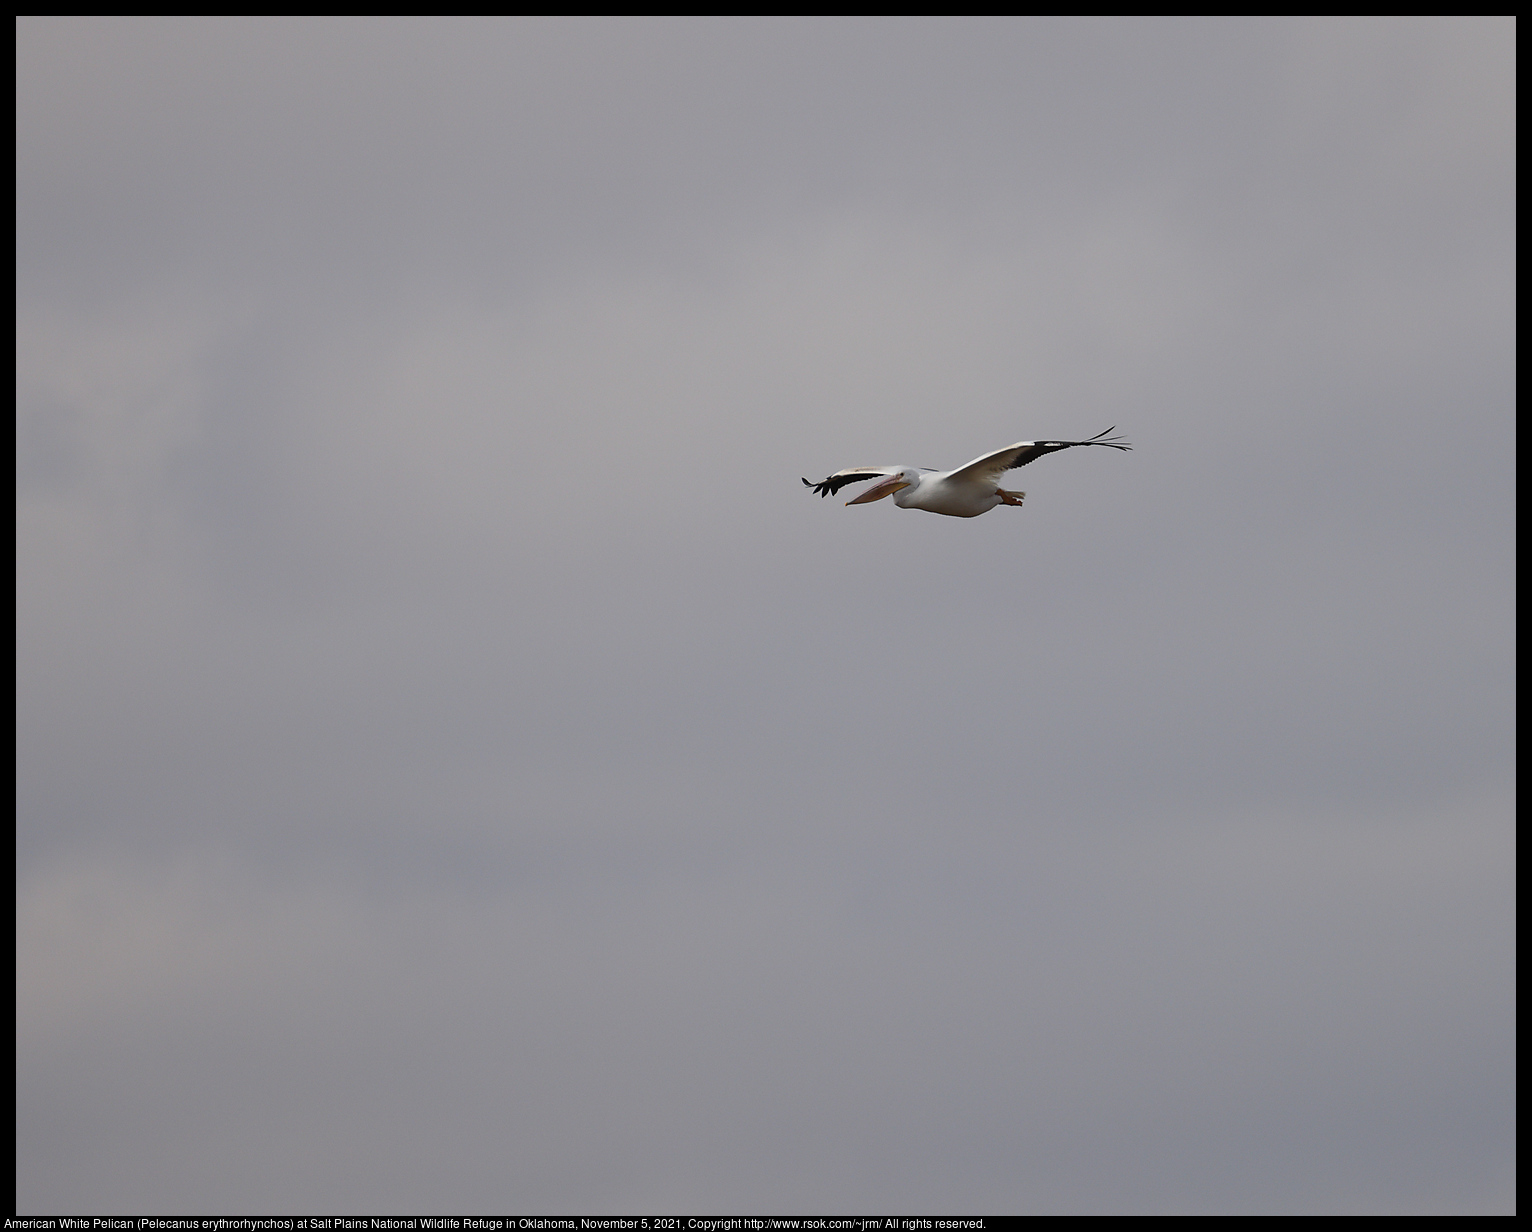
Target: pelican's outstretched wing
{"type": "Point", "coordinates": [855, 474]}
{"type": "Point", "coordinates": [991, 466]}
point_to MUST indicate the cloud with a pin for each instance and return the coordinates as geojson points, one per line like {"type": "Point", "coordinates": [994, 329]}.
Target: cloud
{"type": "Point", "coordinates": [577, 1039]}
{"type": "Point", "coordinates": [449, 735]}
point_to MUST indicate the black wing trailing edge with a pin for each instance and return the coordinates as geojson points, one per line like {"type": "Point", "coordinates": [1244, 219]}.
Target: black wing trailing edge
{"type": "Point", "coordinates": [1042, 448]}
{"type": "Point", "coordinates": [828, 487]}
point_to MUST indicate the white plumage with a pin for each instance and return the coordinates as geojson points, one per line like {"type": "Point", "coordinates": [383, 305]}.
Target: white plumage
{"type": "Point", "coordinates": [967, 492]}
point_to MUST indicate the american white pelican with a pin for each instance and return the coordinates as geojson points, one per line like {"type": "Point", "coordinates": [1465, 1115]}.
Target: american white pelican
{"type": "Point", "coordinates": [964, 493]}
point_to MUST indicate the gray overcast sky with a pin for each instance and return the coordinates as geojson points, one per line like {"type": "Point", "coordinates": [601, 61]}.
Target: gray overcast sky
{"type": "Point", "coordinates": [462, 770]}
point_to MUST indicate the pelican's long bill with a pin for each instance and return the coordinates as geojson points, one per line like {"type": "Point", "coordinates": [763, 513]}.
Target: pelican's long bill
{"type": "Point", "coordinates": [879, 490]}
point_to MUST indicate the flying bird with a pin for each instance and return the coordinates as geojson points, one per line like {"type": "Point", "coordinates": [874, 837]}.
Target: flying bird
{"type": "Point", "coordinates": [964, 493]}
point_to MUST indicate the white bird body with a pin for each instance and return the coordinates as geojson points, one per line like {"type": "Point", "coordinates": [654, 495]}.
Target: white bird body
{"type": "Point", "coordinates": [966, 492]}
